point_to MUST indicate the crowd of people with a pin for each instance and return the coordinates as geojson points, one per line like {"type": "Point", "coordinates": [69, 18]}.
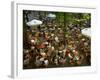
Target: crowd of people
{"type": "Point", "coordinates": [51, 45]}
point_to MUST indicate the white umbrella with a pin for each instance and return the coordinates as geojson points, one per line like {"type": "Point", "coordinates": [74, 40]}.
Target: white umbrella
{"type": "Point", "coordinates": [51, 15]}
{"type": "Point", "coordinates": [86, 31]}
{"type": "Point", "coordinates": [34, 22]}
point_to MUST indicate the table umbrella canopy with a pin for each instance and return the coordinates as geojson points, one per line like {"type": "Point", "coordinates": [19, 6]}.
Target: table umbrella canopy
{"type": "Point", "coordinates": [51, 15]}
{"type": "Point", "coordinates": [34, 22]}
{"type": "Point", "coordinates": [86, 31]}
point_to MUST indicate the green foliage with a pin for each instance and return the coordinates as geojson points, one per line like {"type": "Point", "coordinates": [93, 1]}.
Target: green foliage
{"type": "Point", "coordinates": [72, 18]}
